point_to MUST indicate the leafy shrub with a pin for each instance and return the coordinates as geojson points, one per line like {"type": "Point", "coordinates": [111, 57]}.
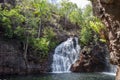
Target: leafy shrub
{"type": "Point", "coordinates": [97, 26]}
{"type": "Point", "coordinates": [11, 19]}
{"type": "Point", "coordinates": [41, 44]}
{"type": "Point", "coordinates": [44, 44]}
{"type": "Point", "coordinates": [49, 33]}
{"type": "Point", "coordinates": [86, 35]}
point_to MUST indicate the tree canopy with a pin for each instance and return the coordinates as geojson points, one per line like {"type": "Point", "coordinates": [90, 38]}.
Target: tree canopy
{"type": "Point", "coordinates": [29, 20]}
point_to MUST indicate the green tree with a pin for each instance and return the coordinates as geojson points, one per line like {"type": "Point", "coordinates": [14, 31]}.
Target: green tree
{"type": "Point", "coordinates": [43, 12]}
{"type": "Point", "coordinates": [66, 8]}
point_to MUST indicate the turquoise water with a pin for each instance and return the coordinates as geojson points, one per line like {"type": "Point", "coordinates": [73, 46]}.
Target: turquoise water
{"type": "Point", "coordinates": [62, 76]}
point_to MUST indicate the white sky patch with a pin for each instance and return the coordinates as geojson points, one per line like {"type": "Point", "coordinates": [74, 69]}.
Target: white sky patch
{"type": "Point", "coordinates": [81, 3]}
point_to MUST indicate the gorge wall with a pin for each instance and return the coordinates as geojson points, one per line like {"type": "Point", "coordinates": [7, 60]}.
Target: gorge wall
{"type": "Point", "coordinates": [108, 11]}
{"type": "Point", "coordinates": [92, 58]}
{"type": "Point", "coordinates": [12, 60]}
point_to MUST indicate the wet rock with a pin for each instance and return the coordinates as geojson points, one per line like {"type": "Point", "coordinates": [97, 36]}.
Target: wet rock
{"type": "Point", "coordinates": [111, 19]}
{"type": "Point", "coordinates": [12, 61]}
{"type": "Point", "coordinates": [1, 1]}
{"type": "Point", "coordinates": [92, 59]}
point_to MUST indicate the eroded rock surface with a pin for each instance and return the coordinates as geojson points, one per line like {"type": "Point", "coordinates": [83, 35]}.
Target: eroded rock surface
{"type": "Point", "coordinates": [92, 59]}
{"type": "Point", "coordinates": [12, 61]}
{"type": "Point", "coordinates": [108, 11]}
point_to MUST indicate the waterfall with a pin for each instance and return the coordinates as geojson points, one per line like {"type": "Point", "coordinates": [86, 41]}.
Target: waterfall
{"type": "Point", "coordinates": [65, 55]}
{"type": "Point", "coordinates": [112, 71]}
{"type": "Point", "coordinates": [110, 68]}
{"type": "Point", "coordinates": [113, 68]}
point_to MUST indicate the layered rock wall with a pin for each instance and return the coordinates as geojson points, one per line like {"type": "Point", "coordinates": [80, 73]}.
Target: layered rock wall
{"type": "Point", "coordinates": [109, 12]}
{"type": "Point", "coordinates": [12, 61]}
{"type": "Point", "coordinates": [93, 58]}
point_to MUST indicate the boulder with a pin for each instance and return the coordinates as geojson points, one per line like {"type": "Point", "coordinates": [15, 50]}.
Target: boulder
{"type": "Point", "coordinates": [92, 59]}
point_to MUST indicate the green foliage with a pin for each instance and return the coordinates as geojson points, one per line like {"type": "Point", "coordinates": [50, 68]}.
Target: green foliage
{"type": "Point", "coordinates": [23, 21]}
{"type": "Point", "coordinates": [82, 18]}
{"type": "Point", "coordinates": [41, 44]}
{"type": "Point", "coordinates": [96, 25]}
{"type": "Point", "coordinates": [49, 33]}
{"type": "Point", "coordinates": [42, 8]}
{"type": "Point", "coordinates": [103, 40]}
{"type": "Point", "coordinates": [19, 32]}
{"type": "Point", "coordinates": [67, 8]}
{"type": "Point", "coordinates": [88, 23]}
{"type": "Point", "coordinates": [10, 20]}
{"type": "Point", "coordinates": [86, 35]}
{"type": "Point", "coordinates": [74, 16]}
{"type": "Point", "coordinates": [26, 19]}
{"type": "Point", "coordinates": [87, 12]}
{"type": "Point", "coordinates": [45, 43]}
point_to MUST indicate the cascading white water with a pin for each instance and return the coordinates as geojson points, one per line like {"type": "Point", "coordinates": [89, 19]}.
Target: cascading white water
{"type": "Point", "coordinates": [65, 55]}
{"type": "Point", "coordinates": [113, 68]}
{"type": "Point", "coordinates": [110, 68]}
{"type": "Point", "coordinates": [112, 71]}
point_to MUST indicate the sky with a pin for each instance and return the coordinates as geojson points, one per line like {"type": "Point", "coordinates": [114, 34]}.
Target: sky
{"type": "Point", "coordinates": [81, 3]}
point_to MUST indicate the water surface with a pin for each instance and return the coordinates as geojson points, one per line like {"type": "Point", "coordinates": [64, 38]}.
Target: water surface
{"type": "Point", "coordinates": [63, 76]}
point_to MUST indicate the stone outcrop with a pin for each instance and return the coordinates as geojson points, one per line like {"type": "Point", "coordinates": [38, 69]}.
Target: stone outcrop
{"type": "Point", "coordinates": [1, 1]}
{"type": "Point", "coordinates": [12, 61]}
{"type": "Point", "coordinates": [108, 11]}
{"type": "Point", "coordinates": [92, 59]}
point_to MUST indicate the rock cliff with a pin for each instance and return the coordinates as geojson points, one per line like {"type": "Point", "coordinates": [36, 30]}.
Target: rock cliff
{"type": "Point", "coordinates": [93, 58]}
{"type": "Point", "coordinates": [108, 11]}
{"type": "Point", "coordinates": [12, 61]}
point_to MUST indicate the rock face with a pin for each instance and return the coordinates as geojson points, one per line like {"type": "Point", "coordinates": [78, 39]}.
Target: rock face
{"type": "Point", "coordinates": [1, 1]}
{"type": "Point", "coordinates": [12, 61]}
{"type": "Point", "coordinates": [108, 11]}
{"type": "Point", "coordinates": [92, 59]}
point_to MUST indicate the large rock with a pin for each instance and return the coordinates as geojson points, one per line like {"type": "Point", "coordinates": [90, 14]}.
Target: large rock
{"type": "Point", "coordinates": [108, 11]}
{"type": "Point", "coordinates": [92, 59]}
{"type": "Point", "coordinates": [12, 61]}
{"type": "Point", "coordinates": [1, 1]}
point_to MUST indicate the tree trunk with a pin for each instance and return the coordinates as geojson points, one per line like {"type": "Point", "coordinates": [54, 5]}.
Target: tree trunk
{"type": "Point", "coordinates": [108, 11]}
{"type": "Point", "coordinates": [65, 20]}
{"type": "Point", "coordinates": [40, 29]}
{"type": "Point", "coordinates": [25, 54]}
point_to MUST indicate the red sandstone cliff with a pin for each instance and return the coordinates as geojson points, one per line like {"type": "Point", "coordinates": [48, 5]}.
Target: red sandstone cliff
{"type": "Point", "coordinates": [109, 12]}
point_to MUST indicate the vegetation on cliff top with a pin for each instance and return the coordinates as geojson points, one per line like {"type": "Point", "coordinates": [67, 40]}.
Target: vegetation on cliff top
{"type": "Point", "coordinates": [29, 22]}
